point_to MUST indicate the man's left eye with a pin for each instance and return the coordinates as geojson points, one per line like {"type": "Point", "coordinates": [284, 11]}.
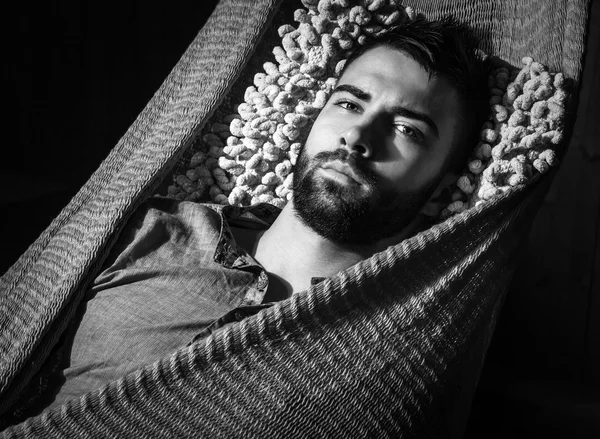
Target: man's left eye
{"type": "Point", "coordinates": [409, 131]}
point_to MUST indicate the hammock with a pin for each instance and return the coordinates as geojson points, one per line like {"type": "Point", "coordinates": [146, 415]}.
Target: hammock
{"type": "Point", "coordinates": [392, 346]}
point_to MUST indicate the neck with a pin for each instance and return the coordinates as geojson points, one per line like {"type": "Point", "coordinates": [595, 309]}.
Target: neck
{"type": "Point", "coordinates": [292, 253]}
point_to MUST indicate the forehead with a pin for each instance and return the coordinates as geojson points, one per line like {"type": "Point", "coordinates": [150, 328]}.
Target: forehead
{"type": "Point", "coordinates": [391, 74]}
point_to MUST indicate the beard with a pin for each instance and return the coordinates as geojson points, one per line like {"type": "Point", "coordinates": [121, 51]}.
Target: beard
{"type": "Point", "coordinates": [352, 215]}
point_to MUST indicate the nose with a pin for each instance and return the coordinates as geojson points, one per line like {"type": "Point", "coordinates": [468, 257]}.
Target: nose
{"type": "Point", "coordinates": [357, 139]}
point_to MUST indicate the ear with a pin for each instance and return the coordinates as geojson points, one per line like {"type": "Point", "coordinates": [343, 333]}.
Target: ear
{"type": "Point", "coordinates": [441, 197]}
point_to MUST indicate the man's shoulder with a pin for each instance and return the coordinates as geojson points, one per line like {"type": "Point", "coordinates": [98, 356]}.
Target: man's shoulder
{"type": "Point", "coordinates": [172, 206]}
{"type": "Point", "coordinates": [262, 212]}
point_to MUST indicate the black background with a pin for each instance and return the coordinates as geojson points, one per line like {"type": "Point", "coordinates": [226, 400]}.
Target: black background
{"type": "Point", "coordinates": [76, 75]}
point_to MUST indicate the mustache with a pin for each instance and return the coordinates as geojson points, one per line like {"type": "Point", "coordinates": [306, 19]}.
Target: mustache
{"type": "Point", "coordinates": [353, 160]}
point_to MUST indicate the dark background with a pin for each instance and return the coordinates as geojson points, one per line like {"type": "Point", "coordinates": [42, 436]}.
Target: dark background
{"type": "Point", "coordinates": [76, 76]}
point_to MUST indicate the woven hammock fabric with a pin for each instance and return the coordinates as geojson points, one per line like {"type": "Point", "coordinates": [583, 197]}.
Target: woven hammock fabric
{"type": "Point", "coordinates": [389, 347]}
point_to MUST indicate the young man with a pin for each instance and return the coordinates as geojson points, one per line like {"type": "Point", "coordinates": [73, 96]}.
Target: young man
{"type": "Point", "coordinates": [402, 114]}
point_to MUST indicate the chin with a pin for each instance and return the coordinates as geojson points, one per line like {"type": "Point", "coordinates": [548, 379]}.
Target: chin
{"type": "Point", "coordinates": [349, 214]}
{"type": "Point", "coordinates": [345, 215]}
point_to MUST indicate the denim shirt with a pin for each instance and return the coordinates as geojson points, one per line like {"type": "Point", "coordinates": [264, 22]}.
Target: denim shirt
{"type": "Point", "coordinates": [174, 276]}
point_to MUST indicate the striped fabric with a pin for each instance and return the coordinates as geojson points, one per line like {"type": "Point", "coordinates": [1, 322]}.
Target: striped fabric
{"type": "Point", "coordinates": [390, 347]}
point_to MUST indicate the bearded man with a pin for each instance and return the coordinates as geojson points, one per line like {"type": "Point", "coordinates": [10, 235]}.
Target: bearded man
{"type": "Point", "coordinates": [403, 114]}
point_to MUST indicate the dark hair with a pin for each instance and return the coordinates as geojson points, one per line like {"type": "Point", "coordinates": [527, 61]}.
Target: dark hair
{"type": "Point", "coordinates": [448, 49]}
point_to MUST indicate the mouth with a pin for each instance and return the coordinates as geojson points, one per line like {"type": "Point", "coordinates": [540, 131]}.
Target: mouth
{"type": "Point", "coordinates": [341, 171]}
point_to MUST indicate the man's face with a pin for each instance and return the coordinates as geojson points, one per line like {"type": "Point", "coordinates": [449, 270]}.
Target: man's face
{"type": "Point", "coordinates": [377, 149]}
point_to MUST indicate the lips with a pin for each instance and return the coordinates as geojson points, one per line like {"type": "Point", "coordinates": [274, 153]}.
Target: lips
{"type": "Point", "coordinates": [342, 168]}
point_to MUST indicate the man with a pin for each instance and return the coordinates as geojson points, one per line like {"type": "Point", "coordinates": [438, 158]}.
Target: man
{"type": "Point", "coordinates": [402, 115]}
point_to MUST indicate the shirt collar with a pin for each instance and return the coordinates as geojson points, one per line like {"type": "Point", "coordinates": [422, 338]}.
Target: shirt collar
{"type": "Point", "coordinates": [258, 216]}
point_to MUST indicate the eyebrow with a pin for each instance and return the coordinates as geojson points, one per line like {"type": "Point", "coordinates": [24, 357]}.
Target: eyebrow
{"type": "Point", "coordinates": [398, 110]}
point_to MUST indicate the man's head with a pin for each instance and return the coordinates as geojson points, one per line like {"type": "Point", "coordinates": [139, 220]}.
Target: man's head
{"type": "Point", "coordinates": [401, 115]}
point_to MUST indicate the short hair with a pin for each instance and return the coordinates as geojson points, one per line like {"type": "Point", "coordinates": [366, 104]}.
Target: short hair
{"type": "Point", "coordinates": [448, 49]}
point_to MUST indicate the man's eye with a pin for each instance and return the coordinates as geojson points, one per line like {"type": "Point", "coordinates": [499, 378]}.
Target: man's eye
{"type": "Point", "coordinates": [347, 105]}
{"type": "Point", "coordinates": [410, 131]}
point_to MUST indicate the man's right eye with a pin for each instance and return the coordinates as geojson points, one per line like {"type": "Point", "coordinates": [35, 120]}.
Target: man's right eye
{"type": "Point", "coordinates": [348, 105]}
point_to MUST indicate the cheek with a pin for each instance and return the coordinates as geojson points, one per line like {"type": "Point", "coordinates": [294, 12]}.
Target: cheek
{"type": "Point", "coordinates": [412, 172]}
{"type": "Point", "coordinates": [324, 135]}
